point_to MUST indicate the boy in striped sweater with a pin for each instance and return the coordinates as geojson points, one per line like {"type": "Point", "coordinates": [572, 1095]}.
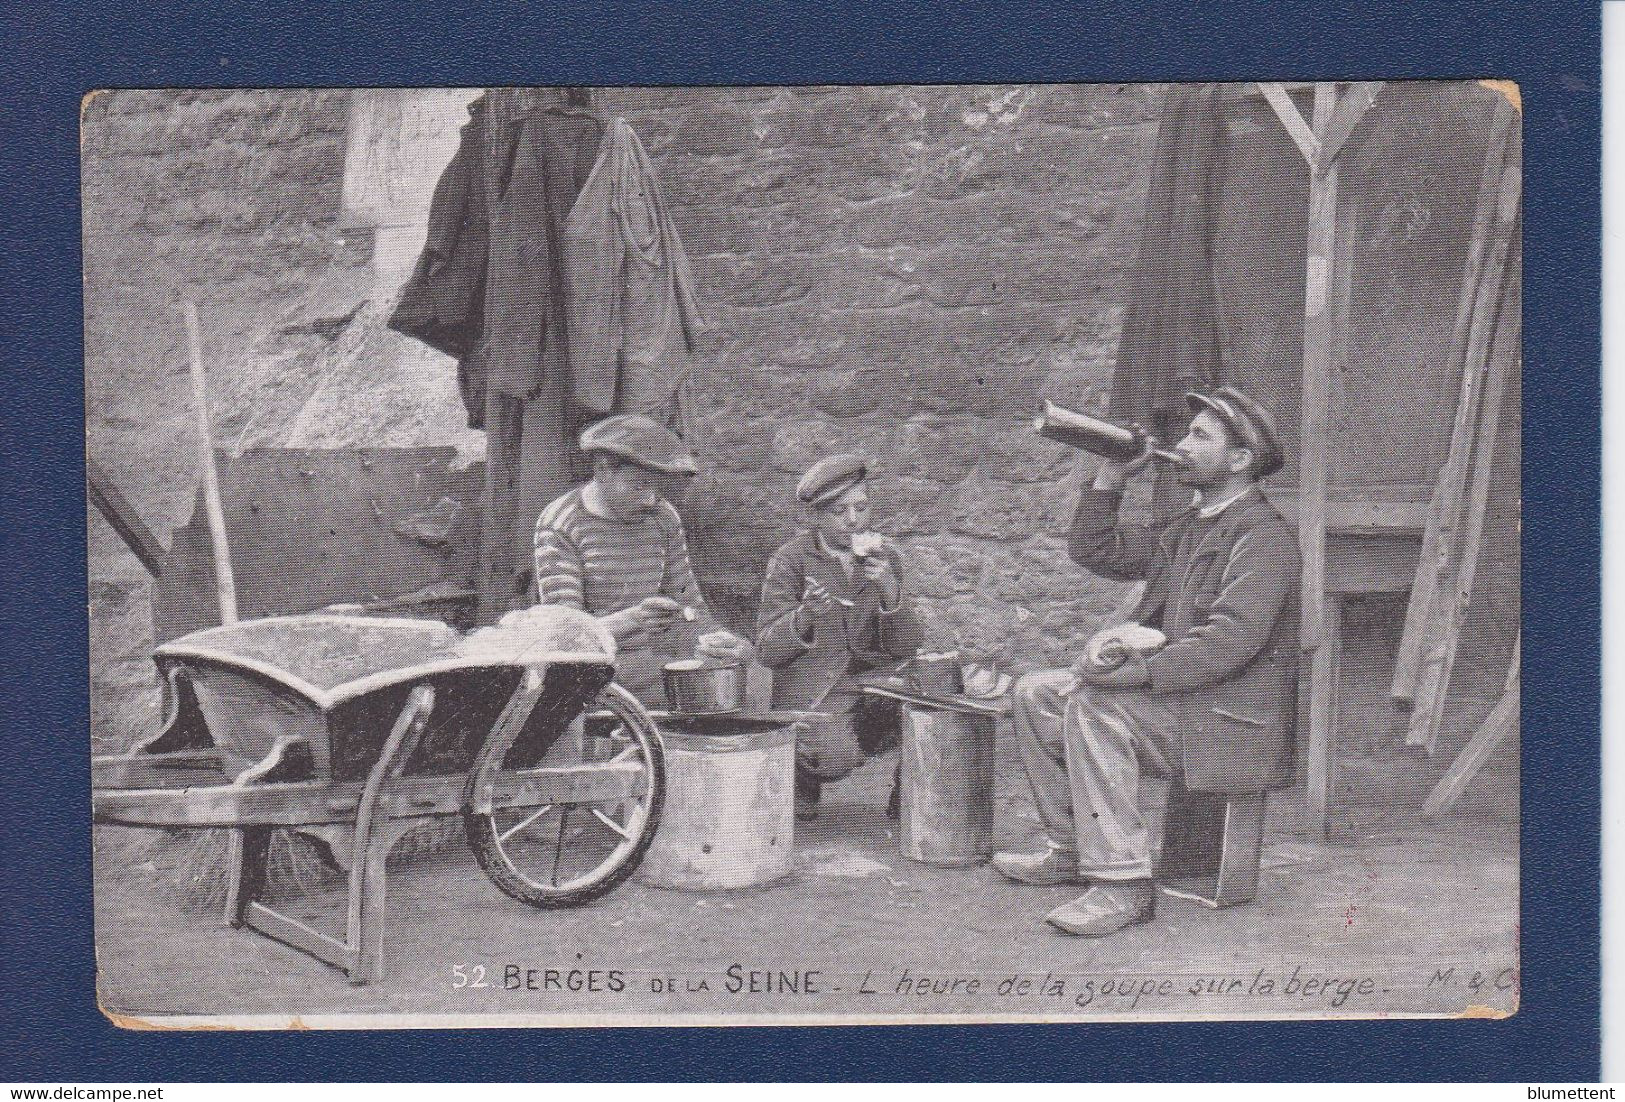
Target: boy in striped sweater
{"type": "Point", "coordinates": [615, 548]}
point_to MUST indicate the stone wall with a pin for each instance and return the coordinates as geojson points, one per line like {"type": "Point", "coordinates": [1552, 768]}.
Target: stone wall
{"type": "Point", "coordinates": [902, 271]}
{"type": "Point", "coordinates": [906, 272]}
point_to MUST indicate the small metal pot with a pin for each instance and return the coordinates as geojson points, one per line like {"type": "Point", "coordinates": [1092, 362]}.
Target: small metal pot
{"type": "Point", "coordinates": [699, 687]}
{"type": "Point", "coordinates": [937, 674]}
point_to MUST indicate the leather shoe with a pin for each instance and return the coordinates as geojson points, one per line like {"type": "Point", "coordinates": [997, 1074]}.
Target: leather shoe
{"type": "Point", "coordinates": [1052, 866]}
{"type": "Point", "coordinates": [1106, 908]}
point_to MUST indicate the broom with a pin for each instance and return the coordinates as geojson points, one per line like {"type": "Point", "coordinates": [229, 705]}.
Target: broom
{"type": "Point", "coordinates": [192, 864]}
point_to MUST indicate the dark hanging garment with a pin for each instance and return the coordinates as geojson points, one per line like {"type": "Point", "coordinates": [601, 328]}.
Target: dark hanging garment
{"type": "Point", "coordinates": [1170, 338]}
{"type": "Point", "coordinates": [443, 302]}
{"type": "Point", "coordinates": [488, 287]}
{"type": "Point", "coordinates": [542, 157]}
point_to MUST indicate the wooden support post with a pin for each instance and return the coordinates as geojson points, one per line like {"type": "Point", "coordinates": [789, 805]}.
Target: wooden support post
{"type": "Point", "coordinates": [1329, 128]}
{"type": "Point", "coordinates": [1316, 625]}
{"type": "Point", "coordinates": [1324, 668]}
{"type": "Point", "coordinates": [1421, 611]}
{"type": "Point", "coordinates": [1501, 722]}
{"type": "Point", "coordinates": [123, 517]}
{"type": "Point", "coordinates": [1463, 498]}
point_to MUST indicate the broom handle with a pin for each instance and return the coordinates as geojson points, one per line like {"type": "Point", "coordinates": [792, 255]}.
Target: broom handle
{"type": "Point", "coordinates": [211, 480]}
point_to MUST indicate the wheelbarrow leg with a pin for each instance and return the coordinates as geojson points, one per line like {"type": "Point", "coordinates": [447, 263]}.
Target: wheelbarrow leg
{"type": "Point", "coordinates": [376, 832]}
{"type": "Point", "coordinates": [247, 858]}
{"type": "Point", "coordinates": [368, 897]}
{"type": "Point", "coordinates": [361, 954]}
{"type": "Point", "coordinates": [248, 855]}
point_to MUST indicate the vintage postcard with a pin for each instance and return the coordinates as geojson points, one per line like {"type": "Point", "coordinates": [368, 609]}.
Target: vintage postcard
{"type": "Point", "coordinates": [1020, 553]}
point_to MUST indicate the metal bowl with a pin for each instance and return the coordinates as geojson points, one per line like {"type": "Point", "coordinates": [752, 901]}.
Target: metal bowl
{"type": "Point", "coordinates": [700, 687]}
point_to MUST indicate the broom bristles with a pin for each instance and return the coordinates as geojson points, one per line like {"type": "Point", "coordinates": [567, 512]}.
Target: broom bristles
{"type": "Point", "coordinates": [190, 865]}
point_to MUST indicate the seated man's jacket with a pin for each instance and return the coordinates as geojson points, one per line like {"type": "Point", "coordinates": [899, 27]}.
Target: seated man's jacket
{"type": "Point", "coordinates": [815, 671]}
{"type": "Point", "coordinates": [1225, 593]}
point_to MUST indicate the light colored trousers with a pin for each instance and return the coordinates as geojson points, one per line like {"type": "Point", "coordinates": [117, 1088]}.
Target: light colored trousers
{"type": "Point", "coordinates": [1084, 755]}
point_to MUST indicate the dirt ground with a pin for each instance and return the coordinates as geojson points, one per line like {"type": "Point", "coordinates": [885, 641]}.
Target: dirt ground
{"type": "Point", "coordinates": [1398, 915]}
{"type": "Point", "coordinates": [1388, 920]}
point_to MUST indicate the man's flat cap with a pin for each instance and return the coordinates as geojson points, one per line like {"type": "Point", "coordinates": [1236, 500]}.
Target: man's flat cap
{"type": "Point", "coordinates": [639, 440]}
{"type": "Point", "coordinates": [829, 478]}
{"type": "Point", "coordinates": [1250, 425]}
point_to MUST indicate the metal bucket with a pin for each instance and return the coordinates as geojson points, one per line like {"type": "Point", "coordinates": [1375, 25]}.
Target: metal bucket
{"type": "Point", "coordinates": [729, 819]}
{"type": "Point", "coordinates": [947, 792]}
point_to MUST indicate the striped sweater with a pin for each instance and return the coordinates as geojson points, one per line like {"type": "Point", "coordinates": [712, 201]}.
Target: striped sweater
{"type": "Point", "coordinates": [601, 565]}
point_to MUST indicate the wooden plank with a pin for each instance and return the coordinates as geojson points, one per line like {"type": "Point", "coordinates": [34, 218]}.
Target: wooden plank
{"type": "Point", "coordinates": [122, 516]}
{"type": "Point", "coordinates": [1355, 103]}
{"type": "Point", "coordinates": [317, 803]}
{"type": "Point", "coordinates": [1439, 660]}
{"type": "Point", "coordinates": [1297, 129]}
{"type": "Point", "coordinates": [1503, 122]}
{"type": "Point", "coordinates": [1501, 722]}
{"type": "Point", "coordinates": [1456, 516]}
{"type": "Point", "coordinates": [1421, 611]}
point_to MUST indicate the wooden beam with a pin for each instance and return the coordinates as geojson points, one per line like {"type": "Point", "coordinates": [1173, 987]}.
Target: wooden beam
{"type": "Point", "coordinates": [1398, 514]}
{"type": "Point", "coordinates": [1439, 660]}
{"type": "Point", "coordinates": [123, 517]}
{"type": "Point", "coordinates": [1430, 619]}
{"type": "Point", "coordinates": [1419, 613]}
{"type": "Point", "coordinates": [1301, 133]}
{"type": "Point", "coordinates": [1315, 623]}
{"type": "Point", "coordinates": [1248, 90]}
{"type": "Point", "coordinates": [1349, 112]}
{"type": "Point", "coordinates": [1502, 721]}
{"type": "Point", "coordinates": [1319, 140]}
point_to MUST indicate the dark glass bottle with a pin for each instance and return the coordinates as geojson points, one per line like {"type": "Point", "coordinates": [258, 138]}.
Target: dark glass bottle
{"type": "Point", "coordinates": [1097, 435]}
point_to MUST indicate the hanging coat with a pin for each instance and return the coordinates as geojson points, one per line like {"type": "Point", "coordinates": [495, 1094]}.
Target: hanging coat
{"type": "Point", "coordinates": [488, 287]}
{"type": "Point", "coordinates": [633, 315]}
{"type": "Point", "coordinates": [549, 153]}
{"type": "Point", "coordinates": [443, 302]}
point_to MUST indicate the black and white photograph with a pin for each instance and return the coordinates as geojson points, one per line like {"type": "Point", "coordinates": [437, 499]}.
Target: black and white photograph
{"type": "Point", "coordinates": [773, 555]}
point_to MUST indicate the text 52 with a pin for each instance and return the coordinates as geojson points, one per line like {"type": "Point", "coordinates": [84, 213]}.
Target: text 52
{"type": "Point", "coordinates": [468, 975]}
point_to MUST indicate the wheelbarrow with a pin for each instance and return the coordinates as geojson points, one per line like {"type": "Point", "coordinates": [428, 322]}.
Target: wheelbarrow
{"type": "Point", "coordinates": [351, 730]}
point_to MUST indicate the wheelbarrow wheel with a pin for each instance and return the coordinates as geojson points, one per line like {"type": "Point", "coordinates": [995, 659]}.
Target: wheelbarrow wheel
{"type": "Point", "coordinates": [565, 853]}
